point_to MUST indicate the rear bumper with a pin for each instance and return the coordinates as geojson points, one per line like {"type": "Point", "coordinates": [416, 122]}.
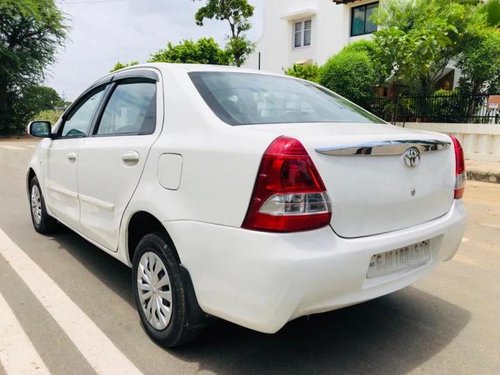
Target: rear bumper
{"type": "Point", "coordinates": [263, 280]}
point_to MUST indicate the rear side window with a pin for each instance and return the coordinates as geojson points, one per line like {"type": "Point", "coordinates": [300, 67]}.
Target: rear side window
{"type": "Point", "coordinates": [131, 110]}
{"type": "Point", "coordinates": [247, 99]}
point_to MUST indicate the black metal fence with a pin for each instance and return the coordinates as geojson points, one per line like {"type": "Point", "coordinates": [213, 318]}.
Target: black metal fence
{"type": "Point", "coordinates": [453, 108]}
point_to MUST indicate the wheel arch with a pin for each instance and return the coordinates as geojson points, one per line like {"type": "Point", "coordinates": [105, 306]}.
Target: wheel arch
{"type": "Point", "coordinates": [140, 224]}
{"type": "Point", "coordinates": [29, 175]}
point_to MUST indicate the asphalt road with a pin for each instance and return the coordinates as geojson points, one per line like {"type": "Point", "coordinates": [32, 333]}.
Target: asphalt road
{"type": "Point", "coordinates": [68, 308]}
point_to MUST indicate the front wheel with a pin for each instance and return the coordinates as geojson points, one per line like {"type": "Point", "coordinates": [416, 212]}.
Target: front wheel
{"type": "Point", "coordinates": [160, 293]}
{"type": "Point", "coordinates": [42, 221]}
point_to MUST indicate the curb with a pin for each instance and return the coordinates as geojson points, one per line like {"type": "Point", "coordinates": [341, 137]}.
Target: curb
{"type": "Point", "coordinates": [492, 177]}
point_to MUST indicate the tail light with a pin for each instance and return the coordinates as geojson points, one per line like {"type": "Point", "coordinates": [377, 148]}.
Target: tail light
{"type": "Point", "coordinates": [289, 194]}
{"type": "Point", "coordinates": [460, 175]}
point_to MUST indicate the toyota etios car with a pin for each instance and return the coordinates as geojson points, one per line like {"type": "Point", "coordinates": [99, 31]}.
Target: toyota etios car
{"type": "Point", "coordinates": [252, 197]}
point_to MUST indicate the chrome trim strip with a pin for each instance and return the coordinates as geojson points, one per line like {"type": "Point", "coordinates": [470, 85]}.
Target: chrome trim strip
{"type": "Point", "coordinates": [384, 148]}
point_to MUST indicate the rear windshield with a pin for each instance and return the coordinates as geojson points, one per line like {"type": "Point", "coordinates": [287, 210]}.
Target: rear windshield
{"type": "Point", "coordinates": [249, 99]}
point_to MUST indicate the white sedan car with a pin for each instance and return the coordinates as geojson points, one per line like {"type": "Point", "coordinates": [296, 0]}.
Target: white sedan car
{"type": "Point", "coordinates": [252, 197]}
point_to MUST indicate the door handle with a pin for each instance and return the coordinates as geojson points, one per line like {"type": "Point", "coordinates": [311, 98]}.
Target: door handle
{"type": "Point", "coordinates": [130, 157]}
{"type": "Point", "coordinates": [71, 157]}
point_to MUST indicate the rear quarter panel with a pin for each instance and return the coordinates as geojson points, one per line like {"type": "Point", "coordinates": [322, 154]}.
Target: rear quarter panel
{"type": "Point", "coordinates": [219, 162]}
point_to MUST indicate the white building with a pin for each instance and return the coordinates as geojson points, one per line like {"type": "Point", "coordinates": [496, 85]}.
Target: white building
{"type": "Point", "coordinates": [295, 31]}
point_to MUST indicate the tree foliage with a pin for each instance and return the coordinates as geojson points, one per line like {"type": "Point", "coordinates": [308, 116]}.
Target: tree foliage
{"type": "Point", "coordinates": [35, 99]}
{"type": "Point", "coordinates": [202, 51]}
{"type": "Point", "coordinates": [51, 115]}
{"type": "Point", "coordinates": [479, 61]}
{"type": "Point", "coordinates": [30, 33]}
{"type": "Point", "coordinates": [239, 49]}
{"type": "Point", "coordinates": [237, 14]}
{"type": "Point", "coordinates": [308, 72]}
{"type": "Point", "coordinates": [366, 46]}
{"type": "Point", "coordinates": [418, 39]}
{"type": "Point", "coordinates": [120, 65]}
{"type": "Point", "coordinates": [351, 73]}
{"type": "Point", "coordinates": [491, 9]}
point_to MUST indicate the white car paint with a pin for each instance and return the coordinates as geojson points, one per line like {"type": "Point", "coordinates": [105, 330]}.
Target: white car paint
{"type": "Point", "coordinates": [262, 281]}
{"type": "Point", "coordinates": [170, 171]}
{"type": "Point", "coordinates": [366, 191]}
{"type": "Point", "coordinates": [108, 173]}
{"type": "Point", "coordinates": [256, 279]}
{"type": "Point", "coordinates": [61, 185]}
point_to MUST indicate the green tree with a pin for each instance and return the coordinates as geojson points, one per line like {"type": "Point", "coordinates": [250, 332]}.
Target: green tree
{"type": "Point", "coordinates": [120, 65]}
{"type": "Point", "coordinates": [35, 99]}
{"type": "Point", "coordinates": [491, 9]}
{"type": "Point", "coordinates": [237, 14]}
{"type": "Point", "coordinates": [30, 33]}
{"type": "Point", "coordinates": [479, 61]}
{"type": "Point", "coordinates": [40, 98]}
{"type": "Point", "coordinates": [351, 73]}
{"type": "Point", "coordinates": [418, 39]}
{"type": "Point", "coordinates": [203, 51]}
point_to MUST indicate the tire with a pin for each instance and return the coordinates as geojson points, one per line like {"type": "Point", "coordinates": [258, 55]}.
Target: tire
{"type": "Point", "coordinates": [42, 221]}
{"type": "Point", "coordinates": [165, 314]}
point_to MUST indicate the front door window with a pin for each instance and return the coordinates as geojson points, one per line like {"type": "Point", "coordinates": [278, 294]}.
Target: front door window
{"type": "Point", "coordinates": [78, 121]}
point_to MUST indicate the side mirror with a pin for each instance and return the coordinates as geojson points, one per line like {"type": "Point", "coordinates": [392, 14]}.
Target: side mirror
{"type": "Point", "coordinates": [40, 129]}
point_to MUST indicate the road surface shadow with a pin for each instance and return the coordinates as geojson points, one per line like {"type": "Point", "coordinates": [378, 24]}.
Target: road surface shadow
{"type": "Point", "coordinates": [392, 334]}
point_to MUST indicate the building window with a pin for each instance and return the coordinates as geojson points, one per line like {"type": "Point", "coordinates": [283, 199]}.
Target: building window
{"type": "Point", "coordinates": [361, 19]}
{"type": "Point", "coordinates": [302, 33]}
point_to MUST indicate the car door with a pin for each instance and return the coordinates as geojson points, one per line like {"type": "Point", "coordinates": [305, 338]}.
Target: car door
{"type": "Point", "coordinates": [111, 161]}
{"type": "Point", "coordinates": [62, 158]}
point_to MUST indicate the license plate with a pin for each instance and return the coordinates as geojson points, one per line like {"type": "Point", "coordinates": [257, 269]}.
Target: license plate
{"type": "Point", "coordinates": [400, 259]}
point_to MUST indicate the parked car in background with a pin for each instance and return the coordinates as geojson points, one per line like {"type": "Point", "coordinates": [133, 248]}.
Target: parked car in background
{"type": "Point", "coordinates": [252, 197]}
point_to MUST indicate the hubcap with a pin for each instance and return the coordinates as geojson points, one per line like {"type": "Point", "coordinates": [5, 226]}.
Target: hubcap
{"type": "Point", "coordinates": [36, 204]}
{"type": "Point", "coordinates": [155, 292]}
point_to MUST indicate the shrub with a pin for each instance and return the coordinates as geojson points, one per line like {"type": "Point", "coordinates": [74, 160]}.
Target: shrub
{"type": "Point", "coordinates": [367, 46]}
{"type": "Point", "coordinates": [202, 51]}
{"type": "Point", "coordinates": [48, 115]}
{"type": "Point", "coordinates": [351, 74]}
{"type": "Point", "coordinates": [309, 72]}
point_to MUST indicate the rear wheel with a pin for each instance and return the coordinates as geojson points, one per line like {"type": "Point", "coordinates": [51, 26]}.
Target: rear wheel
{"type": "Point", "coordinates": [42, 221]}
{"type": "Point", "coordinates": [160, 292]}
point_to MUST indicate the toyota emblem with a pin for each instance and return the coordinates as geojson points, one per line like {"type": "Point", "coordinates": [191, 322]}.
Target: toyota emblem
{"type": "Point", "coordinates": [412, 157]}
